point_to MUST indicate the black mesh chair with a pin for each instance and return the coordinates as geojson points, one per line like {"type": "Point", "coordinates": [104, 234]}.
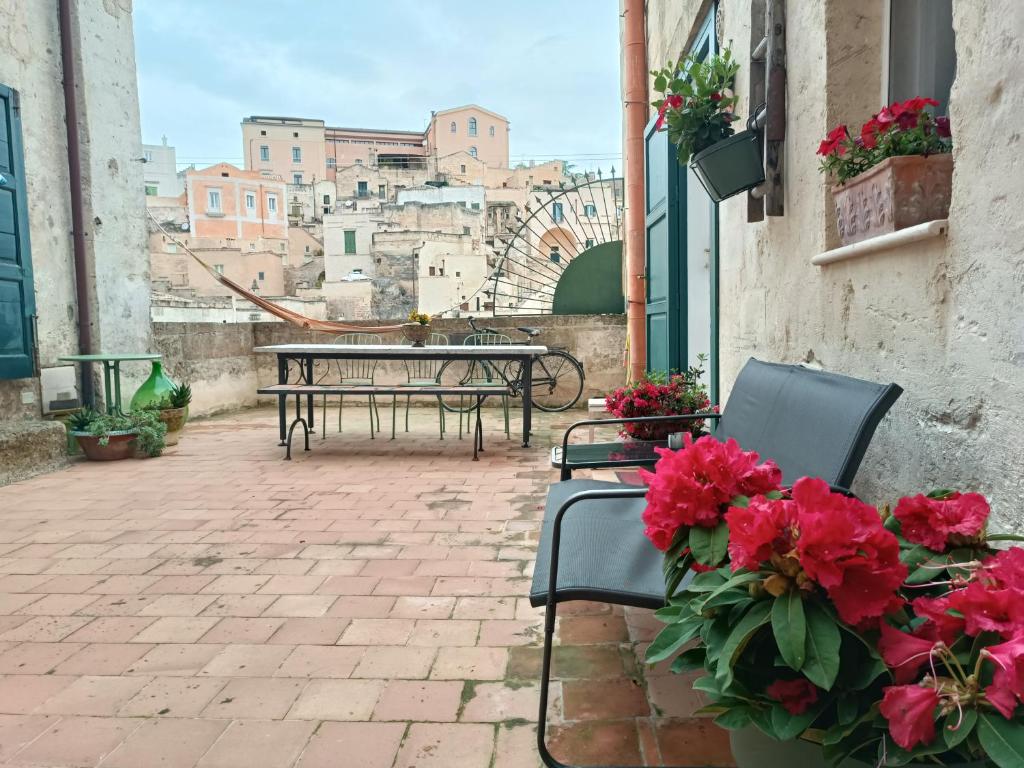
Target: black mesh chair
{"type": "Point", "coordinates": [592, 545]}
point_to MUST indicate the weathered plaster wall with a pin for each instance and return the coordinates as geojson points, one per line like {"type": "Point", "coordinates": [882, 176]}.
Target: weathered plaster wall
{"type": "Point", "coordinates": [942, 318]}
{"type": "Point", "coordinates": [224, 372]}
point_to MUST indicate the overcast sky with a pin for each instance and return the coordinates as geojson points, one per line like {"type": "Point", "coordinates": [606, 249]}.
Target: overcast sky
{"type": "Point", "coordinates": [550, 66]}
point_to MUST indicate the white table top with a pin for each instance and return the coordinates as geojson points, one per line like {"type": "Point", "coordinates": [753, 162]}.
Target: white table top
{"type": "Point", "coordinates": [405, 350]}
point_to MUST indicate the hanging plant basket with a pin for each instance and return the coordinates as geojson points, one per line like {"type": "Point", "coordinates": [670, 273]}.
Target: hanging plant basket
{"type": "Point", "coordinates": [730, 166]}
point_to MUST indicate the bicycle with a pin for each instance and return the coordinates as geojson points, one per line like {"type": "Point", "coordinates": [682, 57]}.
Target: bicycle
{"type": "Point", "coordinates": [556, 377]}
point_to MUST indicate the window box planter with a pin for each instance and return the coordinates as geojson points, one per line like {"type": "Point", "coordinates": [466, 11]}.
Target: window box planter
{"type": "Point", "coordinates": [897, 193]}
{"type": "Point", "coordinates": [730, 166]}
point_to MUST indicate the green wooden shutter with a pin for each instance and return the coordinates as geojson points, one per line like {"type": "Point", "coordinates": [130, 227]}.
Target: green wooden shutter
{"type": "Point", "coordinates": [350, 241]}
{"type": "Point", "coordinates": [17, 298]}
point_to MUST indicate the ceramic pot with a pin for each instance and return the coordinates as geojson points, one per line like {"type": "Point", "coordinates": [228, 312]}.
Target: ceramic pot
{"type": "Point", "coordinates": [120, 445]}
{"type": "Point", "coordinates": [417, 333]}
{"type": "Point", "coordinates": [154, 389]}
{"type": "Point", "coordinates": [174, 419]}
{"type": "Point", "coordinates": [897, 193]}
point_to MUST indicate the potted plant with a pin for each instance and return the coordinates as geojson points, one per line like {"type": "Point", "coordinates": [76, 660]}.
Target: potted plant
{"type": "Point", "coordinates": [173, 411]}
{"type": "Point", "coordinates": [417, 329]}
{"type": "Point", "coordinates": [832, 633]}
{"type": "Point", "coordinates": [697, 105]}
{"type": "Point", "coordinates": [897, 172]}
{"type": "Point", "coordinates": [109, 437]}
{"type": "Point", "coordinates": [657, 394]}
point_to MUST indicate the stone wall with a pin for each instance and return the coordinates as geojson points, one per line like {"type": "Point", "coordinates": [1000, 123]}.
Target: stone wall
{"type": "Point", "coordinates": [943, 317]}
{"type": "Point", "coordinates": [217, 359]}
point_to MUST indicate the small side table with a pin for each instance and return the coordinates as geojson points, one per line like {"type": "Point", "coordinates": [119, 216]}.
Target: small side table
{"type": "Point", "coordinates": [111, 373]}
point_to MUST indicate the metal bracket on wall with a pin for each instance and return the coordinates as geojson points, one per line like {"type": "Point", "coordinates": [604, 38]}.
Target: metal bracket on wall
{"type": "Point", "coordinates": [768, 87]}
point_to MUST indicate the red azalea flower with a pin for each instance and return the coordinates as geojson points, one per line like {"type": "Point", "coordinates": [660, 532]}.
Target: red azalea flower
{"type": "Point", "coordinates": [796, 696]}
{"type": "Point", "coordinates": [760, 529]}
{"type": "Point", "coordinates": [845, 548]}
{"type": "Point", "coordinates": [942, 127]}
{"type": "Point", "coordinates": [989, 609]}
{"type": "Point", "coordinates": [834, 141]}
{"type": "Point", "coordinates": [1008, 677]}
{"type": "Point", "coordinates": [716, 96]}
{"type": "Point", "coordinates": [910, 710]}
{"type": "Point", "coordinates": [1002, 699]}
{"type": "Point", "coordinates": [691, 486]}
{"type": "Point", "coordinates": [1004, 569]}
{"type": "Point", "coordinates": [885, 117]}
{"type": "Point", "coordinates": [908, 121]}
{"type": "Point", "coordinates": [932, 522]}
{"type": "Point", "coordinates": [902, 652]}
{"type": "Point", "coordinates": [918, 103]}
{"type": "Point", "coordinates": [939, 624]}
{"type": "Point", "coordinates": [869, 133]}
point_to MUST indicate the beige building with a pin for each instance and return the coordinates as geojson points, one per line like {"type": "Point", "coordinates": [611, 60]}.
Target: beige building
{"type": "Point", "coordinates": [478, 132]}
{"type": "Point", "coordinates": [290, 148]}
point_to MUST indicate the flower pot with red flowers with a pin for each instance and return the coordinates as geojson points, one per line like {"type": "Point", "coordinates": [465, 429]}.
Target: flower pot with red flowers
{"type": "Point", "coordinates": [885, 639]}
{"type": "Point", "coordinates": [896, 173]}
{"type": "Point", "coordinates": [697, 105]}
{"type": "Point", "coordinates": [659, 394]}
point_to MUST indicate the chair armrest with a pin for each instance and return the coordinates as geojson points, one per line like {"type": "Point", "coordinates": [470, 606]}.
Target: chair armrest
{"type": "Point", "coordinates": [556, 529]}
{"type": "Point", "coordinates": [633, 420]}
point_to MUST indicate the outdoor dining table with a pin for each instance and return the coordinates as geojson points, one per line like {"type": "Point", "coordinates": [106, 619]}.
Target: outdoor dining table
{"type": "Point", "coordinates": [111, 373]}
{"type": "Point", "coordinates": [304, 355]}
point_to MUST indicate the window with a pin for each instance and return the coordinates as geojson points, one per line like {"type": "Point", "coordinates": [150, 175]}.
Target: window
{"type": "Point", "coordinates": [327, 201]}
{"type": "Point", "coordinates": [331, 162]}
{"type": "Point", "coordinates": [475, 206]}
{"type": "Point", "coordinates": [148, 154]}
{"type": "Point", "coordinates": [252, 246]}
{"type": "Point", "coordinates": [218, 268]}
{"type": "Point", "coordinates": [465, 230]}
{"type": "Point", "coordinates": [491, 130]}
{"type": "Point", "coordinates": [307, 249]}
{"type": "Point", "coordinates": [327, 209]}
{"type": "Point", "coordinates": [295, 135]}
{"type": "Point", "coordinates": [921, 58]}
{"type": "Point", "coordinates": [213, 200]}
{"type": "Point", "coordinates": [458, 274]}
{"type": "Point", "coordinates": [359, 161]}
{"type": "Point", "coordinates": [472, 151]}
{"type": "Point", "coordinates": [272, 204]}
{"type": "Point", "coordinates": [462, 169]}
{"type": "Point", "coordinates": [263, 133]}
{"type": "Point", "coordinates": [296, 154]}
{"type": "Point", "coordinates": [260, 276]}
{"type": "Point", "coordinates": [296, 178]}
{"type": "Point", "coordinates": [350, 241]}
{"type": "Point", "coordinates": [590, 210]}
{"type": "Point", "coordinates": [264, 153]}
{"type": "Point", "coordinates": [472, 126]}
{"type": "Point", "coordinates": [362, 189]}
{"type": "Point", "coordinates": [282, 246]}
{"type": "Point", "coordinates": [556, 212]}
{"type": "Point", "coordinates": [151, 190]}
{"type": "Point", "coordinates": [382, 191]}
{"type": "Point", "coordinates": [590, 243]}
{"type": "Point", "coordinates": [452, 128]}
{"type": "Point", "coordinates": [555, 255]}
{"type": "Point", "coordinates": [432, 271]}
{"type": "Point", "coordinates": [250, 201]}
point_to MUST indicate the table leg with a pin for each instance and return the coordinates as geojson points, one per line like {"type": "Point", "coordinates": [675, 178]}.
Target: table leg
{"type": "Point", "coordinates": [108, 398]}
{"type": "Point", "coordinates": [117, 387]}
{"type": "Point", "coordinates": [282, 417]}
{"type": "Point", "coordinates": [527, 378]}
{"type": "Point", "coordinates": [309, 398]}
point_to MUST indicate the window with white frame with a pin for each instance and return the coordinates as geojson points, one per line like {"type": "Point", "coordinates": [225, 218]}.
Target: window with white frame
{"type": "Point", "coordinates": [590, 210]}
{"type": "Point", "coordinates": [472, 151]}
{"type": "Point", "coordinates": [264, 153]}
{"type": "Point", "coordinates": [471, 126]}
{"type": "Point", "coordinates": [556, 212]}
{"type": "Point", "coordinates": [218, 268]}
{"type": "Point", "coordinates": [590, 243]}
{"type": "Point", "coordinates": [453, 127]}
{"type": "Point", "coordinates": [213, 201]}
{"type": "Point", "coordinates": [920, 50]}
{"type": "Point", "coordinates": [296, 178]}
{"type": "Point", "coordinates": [331, 162]}
{"type": "Point", "coordinates": [250, 201]}
{"type": "Point", "coordinates": [491, 130]}
{"type": "Point", "coordinates": [296, 154]}
{"type": "Point", "coordinates": [272, 204]}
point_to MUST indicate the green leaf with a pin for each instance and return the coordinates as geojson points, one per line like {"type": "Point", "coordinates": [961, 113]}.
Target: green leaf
{"type": "Point", "coordinates": [660, 82]}
{"type": "Point", "coordinates": [774, 495]}
{"type": "Point", "coordinates": [671, 639]}
{"type": "Point", "coordinates": [734, 718]}
{"type": "Point", "coordinates": [708, 581]}
{"type": "Point", "coordinates": [709, 545]}
{"type": "Point", "coordinates": [787, 726]}
{"type": "Point", "coordinates": [755, 618]}
{"type": "Point", "coordinates": [846, 709]}
{"type": "Point", "coordinates": [689, 660]}
{"type": "Point", "coordinates": [737, 580]}
{"type": "Point", "coordinates": [668, 614]}
{"type": "Point", "coordinates": [941, 493]}
{"type": "Point", "coordinates": [790, 628]}
{"type": "Point", "coordinates": [821, 659]}
{"type": "Point", "coordinates": [967, 721]}
{"type": "Point", "coordinates": [1002, 740]}
{"type": "Point", "coordinates": [708, 685]}
{"type": "Point", "coordinates": [740, 501]}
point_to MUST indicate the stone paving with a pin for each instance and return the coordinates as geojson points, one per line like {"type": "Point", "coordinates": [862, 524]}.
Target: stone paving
{"type": "Point", "coordinates": [362, 605]}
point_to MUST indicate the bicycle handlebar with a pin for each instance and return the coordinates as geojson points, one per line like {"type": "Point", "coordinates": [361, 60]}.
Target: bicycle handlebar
{"type": "Point", "coordinates": [472, 324]}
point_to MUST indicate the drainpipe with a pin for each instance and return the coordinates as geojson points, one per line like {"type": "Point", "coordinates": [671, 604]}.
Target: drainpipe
{"type": "Point", "coordinates": [634, 45]}
{"type": "Point", "coordinates": [67, 55]}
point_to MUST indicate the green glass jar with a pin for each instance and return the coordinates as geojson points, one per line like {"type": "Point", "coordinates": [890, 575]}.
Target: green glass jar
{"type": "Point", "coordinates": [154, 389]}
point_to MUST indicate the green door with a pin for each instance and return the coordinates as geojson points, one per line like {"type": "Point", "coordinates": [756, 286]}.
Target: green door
{"type": "Point", "coordinates": [665, 240]}
{"type": "Point", "coordinates": [17, 300]}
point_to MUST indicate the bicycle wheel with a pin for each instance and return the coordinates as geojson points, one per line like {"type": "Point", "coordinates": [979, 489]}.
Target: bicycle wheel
{"type": "Point", "coordinates": [557, 381]}
{"type": "Point", "coordinates": [459, 373]}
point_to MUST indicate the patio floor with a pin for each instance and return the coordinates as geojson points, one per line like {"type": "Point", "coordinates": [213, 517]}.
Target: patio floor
{"type": "Point", "coordinates": [359, 606]}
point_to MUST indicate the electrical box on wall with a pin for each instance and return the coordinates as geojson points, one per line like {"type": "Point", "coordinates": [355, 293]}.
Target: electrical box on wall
{"type": "Point", "coordinates": [60, 389]}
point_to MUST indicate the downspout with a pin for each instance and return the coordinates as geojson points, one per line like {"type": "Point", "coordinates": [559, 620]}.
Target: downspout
{"type": "Point", "coordinates": [67, 56]}
{"type": "Point", "coordinates": [634, 46]}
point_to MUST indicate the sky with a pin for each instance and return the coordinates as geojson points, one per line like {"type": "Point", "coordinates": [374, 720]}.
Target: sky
{"type": "Point", "coordinates": [551, 67]}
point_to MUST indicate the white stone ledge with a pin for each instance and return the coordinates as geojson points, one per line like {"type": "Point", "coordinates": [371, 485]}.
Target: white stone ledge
{"type": "Point", "coordinates": [884, 242]}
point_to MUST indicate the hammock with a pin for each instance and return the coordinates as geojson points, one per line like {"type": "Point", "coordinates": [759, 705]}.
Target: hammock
{"type": "Point", "coordinates": [309, 323]}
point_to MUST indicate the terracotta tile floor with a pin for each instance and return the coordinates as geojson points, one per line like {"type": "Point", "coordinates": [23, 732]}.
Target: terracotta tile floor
{"type": "Point", "coordinates": [362, 605]}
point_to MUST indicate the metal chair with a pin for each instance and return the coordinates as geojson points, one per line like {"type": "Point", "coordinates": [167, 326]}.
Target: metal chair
{"type": "Point", "coordinates": [422, 373]}
{"type": "Point", "coordinates": [354, 372]}
{"type": "Point", "coordinates": [486, 372]}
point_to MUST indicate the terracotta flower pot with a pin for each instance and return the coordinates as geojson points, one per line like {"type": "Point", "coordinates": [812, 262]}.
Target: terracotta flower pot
{"type": "Point", "coordinates": [897, 193]}
{"type": "Point", "coordinates": [174, 419]}
{"type": "Point", "coordinates": [417, 333]}
{"type": "Point", "coordinates": [120, 445]}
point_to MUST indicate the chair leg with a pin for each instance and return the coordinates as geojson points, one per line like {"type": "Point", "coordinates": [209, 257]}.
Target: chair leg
{"type": "Point", "coordinates": [394, 401]}
{"type": "Point", "coordinates": [550, 612]}
{"type": "Point", "coordinates": [408, 400]}
{"type": "Point", "coordinates": [504, 405]}
{"type": "Point", "coordinates": [376, 411]}
{"type": "Point", "coordinates": [460, 416]}
{"type": "Point", "coordinates": [440, 420]}
{"type": "Point", "coordinates": [323, 421]}
{"type": "Point", "coordinates": [370, 411]}
{"type": "Point", "coordinates": [341, 409]}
